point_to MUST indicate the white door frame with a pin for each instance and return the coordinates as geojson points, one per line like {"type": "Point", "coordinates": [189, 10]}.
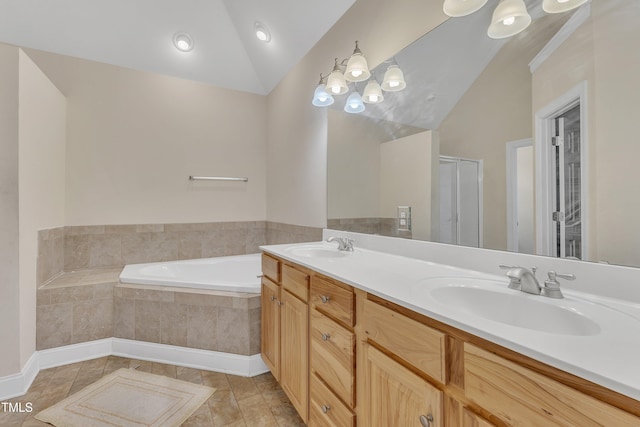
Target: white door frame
{"type": "Point", "coordinates": [543, 151]}
{"type": "Point", "coordinates": [512, 191]}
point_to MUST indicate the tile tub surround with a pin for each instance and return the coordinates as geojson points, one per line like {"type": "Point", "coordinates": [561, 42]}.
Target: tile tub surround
{"type": "Point", "coordinates": [75, 307]}
{"type": "Point", "coordinates": [209, 320]}
{"type": "Point", "coordinates": [380, 226]}
{"type": "Point", "coordinates": [101, 246]}
{"type": "Point", "coordinates": [90, 305]}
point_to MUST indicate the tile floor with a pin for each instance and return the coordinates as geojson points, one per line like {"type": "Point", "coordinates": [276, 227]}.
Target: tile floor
{"type": "Point", "coordinates": [237, 402]}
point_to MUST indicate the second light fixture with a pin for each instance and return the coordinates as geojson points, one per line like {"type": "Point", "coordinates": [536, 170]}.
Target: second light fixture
{"type": "Point", "coordinates": [356, 69]}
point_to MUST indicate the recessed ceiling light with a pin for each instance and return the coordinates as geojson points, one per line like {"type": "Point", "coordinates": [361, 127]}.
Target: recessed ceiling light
{"type": "Point", "coordinates": [262, 33]}
{"type": "Point", "coordinates": [183, 42]}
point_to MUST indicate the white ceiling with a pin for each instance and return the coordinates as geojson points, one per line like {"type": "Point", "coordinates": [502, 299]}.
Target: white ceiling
{"type": "Point", "coordinates": [138, 34]}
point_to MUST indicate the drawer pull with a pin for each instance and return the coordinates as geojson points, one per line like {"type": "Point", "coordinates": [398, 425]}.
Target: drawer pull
{"type": "Point", "coordinates": [325, 408]}
{"type": "Point", "coordinates": [324, 299]}
{"type": "Point", "coordinates": [426, 421]}
{"type": "Point", "coordinates": [326, 337]}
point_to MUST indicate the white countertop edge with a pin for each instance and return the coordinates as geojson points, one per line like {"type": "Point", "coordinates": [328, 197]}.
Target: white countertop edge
{"type": "Point", "coordinates": [598, 376]}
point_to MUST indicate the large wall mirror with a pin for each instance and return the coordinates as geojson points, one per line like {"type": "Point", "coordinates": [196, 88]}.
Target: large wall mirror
{"type": "Point", "coordinates": [525, 144]}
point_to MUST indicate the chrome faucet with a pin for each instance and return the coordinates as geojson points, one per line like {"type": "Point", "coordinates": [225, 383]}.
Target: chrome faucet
{"type": "Point", "coordinates": [551, 287]}
{"type": "Point", "coordinates": [344, 243]}
{"type": "Point", "coordinates": [523, 279]}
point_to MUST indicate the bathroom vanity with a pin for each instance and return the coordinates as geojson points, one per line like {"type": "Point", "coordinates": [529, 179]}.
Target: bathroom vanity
{"type": "Point", "coordinates": [355, 340]}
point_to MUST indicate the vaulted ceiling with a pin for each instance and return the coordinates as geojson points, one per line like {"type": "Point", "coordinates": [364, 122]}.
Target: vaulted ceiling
{"type": "Point", "coordinates": [138, 34]}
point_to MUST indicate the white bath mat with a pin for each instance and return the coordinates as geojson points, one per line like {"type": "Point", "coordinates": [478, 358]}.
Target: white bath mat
{"type": "Point", "coordinates": [129, 398]}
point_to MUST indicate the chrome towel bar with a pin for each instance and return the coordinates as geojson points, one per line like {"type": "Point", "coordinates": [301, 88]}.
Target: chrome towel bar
{"type": "Point", "coordinates": [218, 178]}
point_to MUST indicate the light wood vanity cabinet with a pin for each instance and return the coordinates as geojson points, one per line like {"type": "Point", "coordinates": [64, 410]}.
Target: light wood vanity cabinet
{"type": "Point", "coordinates": [285, 328]}
{"type": "Point", "coordinates": [348, 358]}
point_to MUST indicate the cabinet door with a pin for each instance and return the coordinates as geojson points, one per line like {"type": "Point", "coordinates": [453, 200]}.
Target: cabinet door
{"type": "Point", "coordinates": [294, 351]}
{"type": "Point", "coordinates": [270, 326]}
{"type": "Point", "coordinates": [396, 396]}
{"type": "Point", "coordinates": [470, 419]}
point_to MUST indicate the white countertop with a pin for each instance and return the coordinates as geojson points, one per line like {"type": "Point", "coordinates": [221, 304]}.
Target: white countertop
{"type": "Point", "coordinates": [610, 358]}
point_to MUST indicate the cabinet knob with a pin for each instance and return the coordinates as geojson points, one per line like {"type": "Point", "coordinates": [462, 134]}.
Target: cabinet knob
{"type": "Point", "coordinates": [260, 276]}
{"type": "Point", "coordinates": [426, 420]}
{"type": "Point", "coordinates": [324, 299]}
{"type": "Point", "coordinates": [280, 303]}
{"type": "Point", "coordinates": [326, 337]}
{"type": "Point", "coordinates": [325, 408]}
{"type": "Point", "coordinates": [273, 297]}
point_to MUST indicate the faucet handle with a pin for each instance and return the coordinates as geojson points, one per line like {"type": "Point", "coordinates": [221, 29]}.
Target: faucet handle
{"type": "Point", "coordinates": [553, 275]}
{"type": "Point", "coordinates": [511, 267]}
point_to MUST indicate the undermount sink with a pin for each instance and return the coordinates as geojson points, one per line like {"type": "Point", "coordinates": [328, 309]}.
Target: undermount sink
{"type": "Point", "coordinates": [492, 300]}
{"type": "Point", "coordinates": [315, 251]}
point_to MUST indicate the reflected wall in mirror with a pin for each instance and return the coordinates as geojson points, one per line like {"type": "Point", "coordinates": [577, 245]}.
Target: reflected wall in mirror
{"type": "Point", "coordinates": [548, 116]}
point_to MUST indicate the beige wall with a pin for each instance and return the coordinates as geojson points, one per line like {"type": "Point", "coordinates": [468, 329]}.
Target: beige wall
{"type": "Point", "coordinates": [408, 173]}
{"type": "Point", "coordinates": [135, 137]}
{"type": "Point", "coordinates": [495, 110]}
{"type": "Point", "coordinates": [9, 246]}
{"type": "Point", "coordinates": [297, 131]}
{"type": "Point", "coordinates": [603, 52]}
{"type": "Point", "coordinates": [42, 130]}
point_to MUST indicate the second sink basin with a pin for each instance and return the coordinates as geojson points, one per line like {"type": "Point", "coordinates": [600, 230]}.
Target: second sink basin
{"type": "Point", "coordinates": [493, 301]}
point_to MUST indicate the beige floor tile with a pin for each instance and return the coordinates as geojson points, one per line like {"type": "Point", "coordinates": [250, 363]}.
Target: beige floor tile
{"type": "Point", "coordinates": [237, 402]}
{"type": "Point", "coordinates": [242, 387]}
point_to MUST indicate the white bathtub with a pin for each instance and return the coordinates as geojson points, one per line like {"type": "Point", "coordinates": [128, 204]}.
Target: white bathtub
{"type": "Point", "coordinates": [238, 273]}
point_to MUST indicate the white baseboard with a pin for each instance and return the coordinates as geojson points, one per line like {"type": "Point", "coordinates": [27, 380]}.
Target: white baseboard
{"type": "Point", "coordinates": [17, 384]}
{"type": "Point", "coordinates": [235, 364]}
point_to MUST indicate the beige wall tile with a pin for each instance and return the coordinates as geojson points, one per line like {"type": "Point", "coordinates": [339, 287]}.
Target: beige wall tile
{"type": "Point", "coordinates": [92, 320]}
{"type": "Point", "coordinates": [147, 320]}
{"type": "Point", "coordinates": [71, 294]}
{"type": "Point", "coordinates": [148, 247]}
{"type": "Point", "coordinates": [124, 318]}
{"type": "Point", "coordinates": [204, 299]}
{"type": "Point", "coordinates": [254, 331]}
{"type": "Point", "coordinates": [77, 230]}
{"type": "Point", "coordinates": [153, 228]}
{"type": "Point", "coordinates": [232, 331]}
{"type": "Point", "coordinates": [173, 324]}
{"type": "Point", "coordinates": [76, 252]}
{"type": "Point", "coordinates": [54, 325]}
{"type": "Point", "coordinates": [144, 294]}
{"type": "Point", "coordinates": [201, 328]}
{"type": "Point", "coordinates": [105, 250]}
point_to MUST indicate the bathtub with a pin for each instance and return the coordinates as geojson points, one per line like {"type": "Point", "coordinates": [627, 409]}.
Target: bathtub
{"type": "Point", "coordinates": [239, 273]}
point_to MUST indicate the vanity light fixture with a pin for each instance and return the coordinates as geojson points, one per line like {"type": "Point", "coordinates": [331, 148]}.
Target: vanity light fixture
{"type": "Point", "coordinates": [393, 79]}
{"type": "Point", "coordinates": [357, 67]}
{"type": "Point", "coordinates": [354, 103]}
{"type": "Point", "coordinates": [509, 18]}
{"type": "Point", "coordinates": [183, 42]}
{"type": "Point", "coordinates": [262, 32]}
{"type": "Point", "coordinates": [322, 98]}
{"type": "Point", "coordinates": [372, 92]}
{"type": "Point", "coordinates": [559, 6]}
{"type": "Point", "coordinates": [457, 8]}
{"type": "Point", "coordinates": [353, 70]}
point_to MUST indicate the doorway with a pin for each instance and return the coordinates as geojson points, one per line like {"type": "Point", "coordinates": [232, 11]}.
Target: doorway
{"type": "Point", "coordinates": [561, 176]}
{"type": "Point", "coordinates": [520, 197]}
{"type": "Point", "coordinates": [460, 201]}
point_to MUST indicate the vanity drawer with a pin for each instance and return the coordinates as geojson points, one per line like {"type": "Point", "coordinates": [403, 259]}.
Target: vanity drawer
{"type": "Point", "coordinates": [271, 268]}
{"type": "Point", "coordinates": [521, 396]}
{"type": "Point", "coordinates": [296, 282]}
{"type": "Point", "coordinates": [333, 355]}
{"type": "Point", "coordinates": [417, 344]}
{"type": "Point", "coordinates": [326, 410]}
{"type": "Point", "coordinates": [335, 299]}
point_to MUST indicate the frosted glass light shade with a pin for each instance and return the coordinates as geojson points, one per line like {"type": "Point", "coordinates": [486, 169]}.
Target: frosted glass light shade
{"type": "Point", "coordinates": [354, 103]}
{"type": "Point", "coordinates": [457, 8]}
{"type": "Point", "coordinates": [559, 6]}
{"type": "Point", "coordinates": [393, 79]}
{"type": "Point", "coordinates": [509, 18]}
{"type": "Point", "coordinates": [322, 98]}
{"type": "Point", "coordinates": [336, 83]}
{"type": "Point", "coordinates": [357, 68]}
{"type": "Point", "coordinates": [372, 93]}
